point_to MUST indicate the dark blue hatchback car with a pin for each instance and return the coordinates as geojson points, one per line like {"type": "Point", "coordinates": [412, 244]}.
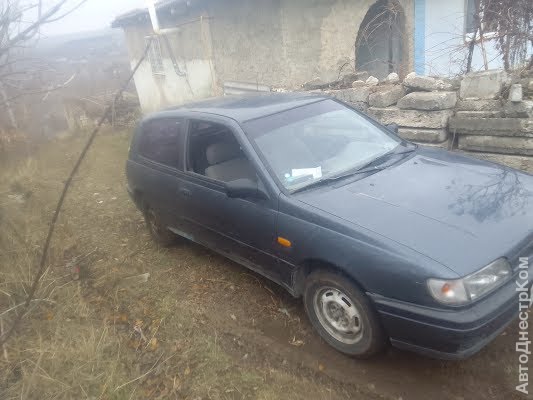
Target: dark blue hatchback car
{"type": "Point", "coordinates": [386, 241]}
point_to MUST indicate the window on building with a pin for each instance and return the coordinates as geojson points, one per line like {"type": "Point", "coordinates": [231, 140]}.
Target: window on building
{"type": "Point", "coordinates": [155, 57]}
{"type": "Point", "coordinates": [162, 141]}
{"type": "Point", "coordinates": [488, 17]}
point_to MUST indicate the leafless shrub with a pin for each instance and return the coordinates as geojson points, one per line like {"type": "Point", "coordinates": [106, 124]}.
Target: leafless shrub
{"type": "Point", "coordinates": [510, 23]}
{"type": "Point", "coordinates": [21, 22]}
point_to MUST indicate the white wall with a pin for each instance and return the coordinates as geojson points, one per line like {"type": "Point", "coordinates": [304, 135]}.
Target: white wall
{"type": "Point", "coordinates": [157, 92]}
{"type": "Point", "coordinates": [190, 47]}
{"type": "Point", "coordinates": [445, 48]}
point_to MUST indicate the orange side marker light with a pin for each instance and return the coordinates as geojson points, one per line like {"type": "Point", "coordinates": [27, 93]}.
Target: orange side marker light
{"type": "Point", "coordinates": [284, 242]}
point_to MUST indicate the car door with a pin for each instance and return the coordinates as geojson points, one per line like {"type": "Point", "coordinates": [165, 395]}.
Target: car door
{"type": "Point", "coordinates": [161, 166]}
{"type": "Point", "coordinates": [243, 229]}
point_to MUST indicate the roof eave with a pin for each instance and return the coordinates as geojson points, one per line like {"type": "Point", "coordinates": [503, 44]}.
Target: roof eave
{"type": "Point", "coordinates": [140, 15]}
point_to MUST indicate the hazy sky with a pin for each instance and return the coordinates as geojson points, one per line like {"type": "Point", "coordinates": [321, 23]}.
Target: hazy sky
{"type": "Point", "coordinates": [93, 15]}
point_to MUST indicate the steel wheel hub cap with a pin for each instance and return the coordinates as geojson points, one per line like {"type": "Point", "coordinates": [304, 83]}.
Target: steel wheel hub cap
{"type": "Point", "coordinates": [338, 315]}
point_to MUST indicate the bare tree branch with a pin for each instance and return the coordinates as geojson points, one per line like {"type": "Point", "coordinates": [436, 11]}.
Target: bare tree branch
{"type": "Point", "coordinates": [30, 31]}
{"type": "Point", "coordinates": [20, 26]}
{"type": "Point", "coordinates": [42, 261]}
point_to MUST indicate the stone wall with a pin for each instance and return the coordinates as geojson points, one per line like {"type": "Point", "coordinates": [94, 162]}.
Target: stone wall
{"type": "Point", "coordinates": [488, 111]}
{"type": "Point", "coordinates": [283, 43]}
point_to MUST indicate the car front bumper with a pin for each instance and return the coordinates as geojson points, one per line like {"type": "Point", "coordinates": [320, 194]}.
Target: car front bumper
{"type": "Point", "coordinates": [448, 333]}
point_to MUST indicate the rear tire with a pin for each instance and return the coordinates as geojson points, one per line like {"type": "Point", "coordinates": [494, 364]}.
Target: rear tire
{"type": "Point", "coordinates": [158, 231]}
{"type": "Point", "coordinates": [343, 315]}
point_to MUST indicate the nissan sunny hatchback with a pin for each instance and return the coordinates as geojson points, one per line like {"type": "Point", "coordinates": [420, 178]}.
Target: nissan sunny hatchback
{"type": "Point", "coordinates": [386, 241]}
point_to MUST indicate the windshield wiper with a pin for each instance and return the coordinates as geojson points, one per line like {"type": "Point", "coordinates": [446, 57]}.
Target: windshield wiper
{"type": "Point", "coordinates": [398, 150]}
{"type": "Point", "coordinates": [367, 168]}
{"type": "Point", "coordinates": [340, 177]}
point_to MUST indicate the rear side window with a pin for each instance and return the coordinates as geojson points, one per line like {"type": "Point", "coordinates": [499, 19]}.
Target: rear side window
{"type": "Point", "coordinates": [162, 141]}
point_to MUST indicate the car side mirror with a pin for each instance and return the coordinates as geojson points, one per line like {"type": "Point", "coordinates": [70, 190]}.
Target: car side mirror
{"type": "Point", "coordinates": [393, 128]}
{"type": "Point", "coordinates": [244, 188]}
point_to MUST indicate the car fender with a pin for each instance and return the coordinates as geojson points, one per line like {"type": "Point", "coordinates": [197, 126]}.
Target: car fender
{"type": "Point", "coordinates": [377, 264]}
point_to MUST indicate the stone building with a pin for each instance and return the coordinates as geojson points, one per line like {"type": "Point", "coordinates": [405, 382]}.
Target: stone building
{"type": "Point", "coordinates": [279, 43]}
{"type": "Point", "coordinates": [202, 45]}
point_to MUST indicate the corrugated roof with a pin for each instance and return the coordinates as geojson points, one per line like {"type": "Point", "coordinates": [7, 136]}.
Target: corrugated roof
{"type": "Point", "coordinates": [141, 14]}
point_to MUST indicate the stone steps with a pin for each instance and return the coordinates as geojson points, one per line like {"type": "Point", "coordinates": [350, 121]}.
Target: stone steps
{"type": "Point", "coordinates": [492, 126]}
{"type": "Point", "coordinates": [497, 144]}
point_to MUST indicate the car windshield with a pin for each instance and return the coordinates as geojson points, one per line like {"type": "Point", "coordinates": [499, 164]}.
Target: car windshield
{"type": "Point", "coordinates": [318, 141]}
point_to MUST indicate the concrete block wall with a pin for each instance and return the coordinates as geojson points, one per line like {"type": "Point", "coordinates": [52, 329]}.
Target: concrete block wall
{"type": "Point", "coordinates": [488, 111]}
{"type": "Point", "coordinates": [494, 114]}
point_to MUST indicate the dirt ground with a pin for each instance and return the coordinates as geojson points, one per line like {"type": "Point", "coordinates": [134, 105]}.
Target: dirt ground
{"type": "Point", "coordinates": [198, 327]}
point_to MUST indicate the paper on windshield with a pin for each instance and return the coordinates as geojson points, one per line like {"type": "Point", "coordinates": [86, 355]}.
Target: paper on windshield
{"type": "Point", "coordinates": [316, 172]}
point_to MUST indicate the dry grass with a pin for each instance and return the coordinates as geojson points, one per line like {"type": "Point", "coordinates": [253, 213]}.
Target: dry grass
{"type": "Point", "coordinates": [99, 330]}
{"type": "Point", "coordinates": [92, 333]}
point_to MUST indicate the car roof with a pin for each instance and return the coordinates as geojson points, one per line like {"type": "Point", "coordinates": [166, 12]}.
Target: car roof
{"type": "Point", "coordinates": [246, 107]}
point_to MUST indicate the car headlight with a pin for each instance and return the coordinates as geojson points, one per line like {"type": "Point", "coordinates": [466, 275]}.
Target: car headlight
{"type": "Point", "coordinates": [471, 287]}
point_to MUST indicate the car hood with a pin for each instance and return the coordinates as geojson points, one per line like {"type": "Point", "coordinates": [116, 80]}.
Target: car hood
{"type": "Point", "coordinates": [461, 212]}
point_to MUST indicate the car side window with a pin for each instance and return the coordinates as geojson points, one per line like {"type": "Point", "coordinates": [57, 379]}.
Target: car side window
{"type": "Point", "coordinates": [213, 151]}
{"type": "Point", "coordinates": [162, 141]}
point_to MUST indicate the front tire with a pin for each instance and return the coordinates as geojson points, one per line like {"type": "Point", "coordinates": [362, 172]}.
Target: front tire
{"type": "Point", "coordinates": [158, 231]}
{"type": "Point", "coordinates": [342, 314]}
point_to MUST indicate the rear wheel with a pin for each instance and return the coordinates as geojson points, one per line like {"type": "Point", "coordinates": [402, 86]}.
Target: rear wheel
{"type": "Point", "coordinates": [158, 231]}
{"type": "Point", "coordinates": [343, 315]}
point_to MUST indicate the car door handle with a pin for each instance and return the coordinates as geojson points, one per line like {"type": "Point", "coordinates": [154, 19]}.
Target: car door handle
{"type": "Point", "coordinates": [185, 192]}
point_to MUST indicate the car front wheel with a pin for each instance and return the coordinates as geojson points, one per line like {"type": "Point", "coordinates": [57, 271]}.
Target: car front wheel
{"type": "Point", "coordinates": [343, 315]}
